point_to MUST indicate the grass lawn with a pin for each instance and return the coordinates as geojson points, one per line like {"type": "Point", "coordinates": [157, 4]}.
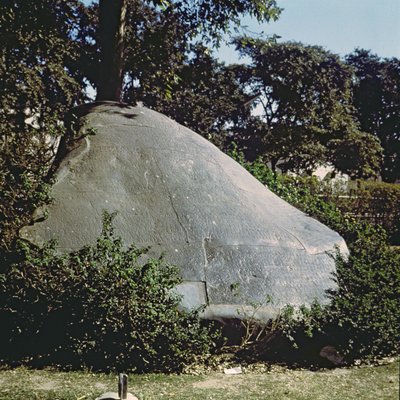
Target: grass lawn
{"type": "Point", "coordinates": [360, 383]}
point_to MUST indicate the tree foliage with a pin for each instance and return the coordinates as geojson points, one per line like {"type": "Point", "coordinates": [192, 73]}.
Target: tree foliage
{"type": "Point", "coordinates": [38, 83]}
{"type": "Point", "coordinates": [207, 97]}
{"type": "Point", "coordinates": [158, 34]}
{"type": "Point", "coordinates": [376, 88]}
{"type": "Point", "coordinates": [306, 101]}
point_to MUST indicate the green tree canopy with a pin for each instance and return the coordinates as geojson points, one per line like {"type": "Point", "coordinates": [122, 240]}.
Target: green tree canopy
{"type": "Point", "coordinates": [376, 87]}
{"type": "Point", "coordinates": [207, 97]}
{"type": "Point", "coordinates": [156, 34]}
{"type": "Point", "coordinates": [38, 84]}
{"type": "Point", "coordinates": [306, 102]}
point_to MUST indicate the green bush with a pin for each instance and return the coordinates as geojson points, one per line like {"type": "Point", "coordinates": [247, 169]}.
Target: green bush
{"type": "Point", "coordinates": [103, 307]}
{"type": "Point", "coordinates": [363, 202]}
{"type": "Point", "coordinates": [363, 317]}
{"type": "Point", "coordinates": [377, 203]}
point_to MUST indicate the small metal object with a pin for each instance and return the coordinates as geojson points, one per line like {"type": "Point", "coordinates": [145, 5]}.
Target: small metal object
{"type": "Point", "coordinates": [123, 386]}
{"type": "Point", "coordinates": [122, 391]}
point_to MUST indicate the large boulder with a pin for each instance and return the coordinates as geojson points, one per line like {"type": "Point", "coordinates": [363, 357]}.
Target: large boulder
{"type": "Point", "coordinates": [178, 193]}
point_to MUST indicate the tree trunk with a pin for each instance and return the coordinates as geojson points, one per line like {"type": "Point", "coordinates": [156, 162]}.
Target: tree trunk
{"type": "Point", "coordinates": [112, 15]}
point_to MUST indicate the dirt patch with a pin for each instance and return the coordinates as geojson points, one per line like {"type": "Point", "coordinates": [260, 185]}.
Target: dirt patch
{"type": "Point", "coordinates": [220, 382]}
{"type": "Point", "coordinates": [100, 386]}
{"type": "Point", "coordinates": [40, 383]}
{"type": "Point", "coordinates": [49, 385]}
{"type": "Point", "coordinates": [338, 371]}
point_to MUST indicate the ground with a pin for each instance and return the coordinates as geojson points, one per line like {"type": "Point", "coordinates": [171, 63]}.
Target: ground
{"type": "Point", "coordinates": [276, 383]}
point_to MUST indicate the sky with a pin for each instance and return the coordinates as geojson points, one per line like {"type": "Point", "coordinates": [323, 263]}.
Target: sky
{"type": "Point", "coordinates": [337, 25]}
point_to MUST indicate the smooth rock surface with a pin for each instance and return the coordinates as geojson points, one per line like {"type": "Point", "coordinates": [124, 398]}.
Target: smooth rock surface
{"type": "Point", "coordinates": [178, 193]}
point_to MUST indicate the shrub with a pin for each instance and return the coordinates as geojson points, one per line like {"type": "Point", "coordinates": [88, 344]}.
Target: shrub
{"type": "Point", "coordinates": [365, 202]}
{"type": "Point", "coordinates": [103, 307]}
{"type": "Point", "coordinates": [377, 203]}
{"type": "Point", "coordinates": [363, 317]}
